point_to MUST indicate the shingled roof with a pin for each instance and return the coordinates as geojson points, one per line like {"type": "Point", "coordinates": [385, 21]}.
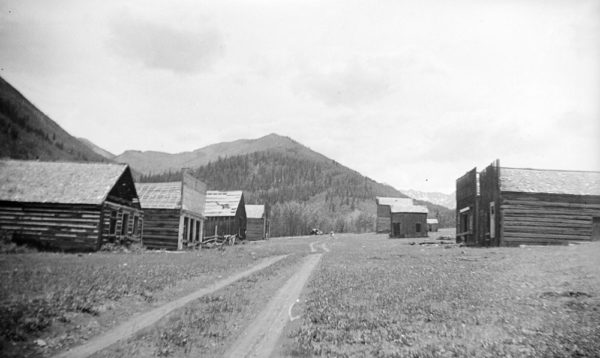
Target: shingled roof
{"type": "Point", "coordinates": [57, 182]}
{"type": "Point", "coordinates": [549, 181]}
{"type": "Point", "coordinates": [159, 195]}
{"type": "Point", "coordinates": [401, 208]}
{"type": "Point", "coordinates": [255, 211]}
{"type": "Point", "coordinates": [222, 203]}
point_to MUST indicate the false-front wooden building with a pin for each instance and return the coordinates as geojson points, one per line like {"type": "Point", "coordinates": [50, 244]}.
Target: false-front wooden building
{"type": "Point", "coordinates": [400, 217]}
{"type": "Point", "coordinates": [69, 206]}
{"type": "Point", "coordinates": [173, 213]}
{"type": "Point", "coordinates": [514, 206]}
{"type": "Point", "coordinates": [256, 226]}
{"type": "Point", "coordinates": [225, 214]}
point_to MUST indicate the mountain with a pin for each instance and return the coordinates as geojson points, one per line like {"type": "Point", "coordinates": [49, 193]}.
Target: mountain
{"type": "Point", "coordinates": [96, 149]}
{"type": "Point", "coordinates": [27, 133]}
{"type": "Point", "coordinates": [303, 189]}
{"type": "Point", "coordinates": [445, 200]}
{"type": "Point", "coordinates": [159, 162]}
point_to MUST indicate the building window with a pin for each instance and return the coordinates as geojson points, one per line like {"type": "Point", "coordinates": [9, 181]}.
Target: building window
{"type": "Point", "coordinates": [125, 225]}
{"type": "Point", "coordinates": [418, 228]}
{"type": "Point", "coordinates": [112, 227]}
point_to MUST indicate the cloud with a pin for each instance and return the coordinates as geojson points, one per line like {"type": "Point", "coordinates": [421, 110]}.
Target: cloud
{"type": "Point", "coordinates": [163, 47]}
{"type": "Point", "coordinates": [350, 86]}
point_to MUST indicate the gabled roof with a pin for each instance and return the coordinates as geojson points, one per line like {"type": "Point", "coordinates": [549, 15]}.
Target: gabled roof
{"type": "Point", "coordinates": [57, 182]}
{"type": "Point", "coordinates": [393, 201]}
{"type": "Point", "coordinates": [409, 209]}
{"type": "Point", "coordinates": [255, 211]}
{"type": "Point", "coordinates": [549, 181]}
{"type": "Point", "coordinates": [222, 203]}
{"type": "Point", "coordinates": [159, 195]}
{"type": "Point", "coordinates": [432, 221]}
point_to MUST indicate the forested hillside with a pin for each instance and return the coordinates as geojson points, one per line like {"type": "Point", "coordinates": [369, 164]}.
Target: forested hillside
{"type": "Point", "coordinates": [27, 133]}
{"type": "Point", "coordinates": [301, 193]}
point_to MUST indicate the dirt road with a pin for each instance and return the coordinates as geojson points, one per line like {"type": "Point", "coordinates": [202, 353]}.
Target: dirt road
{"type": "Point", "coordinates": [135, 324]}
{"type": "Point", "coordinates": [259, 339]}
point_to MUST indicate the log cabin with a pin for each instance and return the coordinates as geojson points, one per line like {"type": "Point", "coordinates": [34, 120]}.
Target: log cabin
{"type": "Point", "coordinates": [256, 226]}
{"type": "Point", "coordinates": [69, 206]}
{"type": "Point", "coordinates": [383, 223]}
{"type": "Point", "coordinates": [517, 206]}
{"type": "Point", "coordinates": [173, 213]}
{"type": "Point", "coordinates": [225, 214]}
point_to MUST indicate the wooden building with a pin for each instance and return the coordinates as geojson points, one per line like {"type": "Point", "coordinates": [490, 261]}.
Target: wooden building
{"type": "Point", "coordinates": [408, 220]}
{"type": "Point", "coordinates": [433, 225]}
{"type": "Point", "coordinates": [384, 222]}
{"type": "Point", "coordinates": [173, 213]}
{"type": "Point", "coordinates": [225, 214]}
{"type": "Point", "coordinates": [256, 226]}
{"type": "Point", "coordinates": [530, 206]}
{"type": "Point", "coordinates": [69, 206]}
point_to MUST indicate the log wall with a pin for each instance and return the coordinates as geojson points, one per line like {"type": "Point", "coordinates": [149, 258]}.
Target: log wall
{"type": "Point", "coordinates": [65, 227]}
{"type": "Point", "coordinates": [129, 233]}
{"type": "Point", "coordinates": [161, 228]}
{"type": "Point", "coordinates": [547, 218]}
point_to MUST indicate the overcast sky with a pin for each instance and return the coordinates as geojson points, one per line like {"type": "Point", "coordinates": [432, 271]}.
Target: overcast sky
{"type": "Point", "coordinates": [410, 93]}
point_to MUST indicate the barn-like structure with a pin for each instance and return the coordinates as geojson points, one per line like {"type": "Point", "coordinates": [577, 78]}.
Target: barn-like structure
{"type": "Point", "coordinates": [511, 206]}
{"type": "Point", "coordinates": [225, 214]}
{"type": "Point", "coordinates": [256, 226]}
{"type": "Point", "coordinates": [433, 225]}
{"type": "Point", "coordinates": [173, 213]}
{"type": "Point", "coordinates": [400, 217]}
{"type": "Point", "coordinates": [69, 206]}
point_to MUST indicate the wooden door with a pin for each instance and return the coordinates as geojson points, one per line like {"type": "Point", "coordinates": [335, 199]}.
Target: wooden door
{"type": "Point", "coordinates": [492, 220]}
{"type": "Point", "coordinates": [596, 228]}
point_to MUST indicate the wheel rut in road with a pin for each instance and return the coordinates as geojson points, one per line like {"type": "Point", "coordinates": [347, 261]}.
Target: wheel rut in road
{"type": "Point", "coordinates": [144, 320]}
{"type": "Point", "coordinates": [260, 338]}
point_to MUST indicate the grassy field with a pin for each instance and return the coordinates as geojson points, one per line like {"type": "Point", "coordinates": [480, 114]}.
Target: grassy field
{"type": "Point", "coordinates": [64, 299]}
{"type": "Point", "coordinates": [387, 298]}
{"type": "Point", "coordinates": [370, 296]}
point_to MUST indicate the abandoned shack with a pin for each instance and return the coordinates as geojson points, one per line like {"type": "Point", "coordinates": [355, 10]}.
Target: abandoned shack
{"type": "Point", "coordinates": [383, 223]}
{"type": "Point", "coordinates": [408, 220]}
{"type": "Point", "coordinates": [69, 206]}
{"type": "Point", "coordinates": [173, 213]}
{"type": "Point", "coordinates": [432, 225]}
{"type": "Point", "coordinates": [225, 214]}
{"type": "Point", "coordinates": [503, 206]}
{"type": "Point", "coordinates": [256, 226]}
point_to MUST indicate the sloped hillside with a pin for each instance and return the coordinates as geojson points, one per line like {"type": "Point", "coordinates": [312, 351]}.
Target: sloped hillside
{"type": "Point", "coordinates": [301, 193]}
{"type": "Point", "coordinates": [151, 162]}
{"type": "Point", "coordinates": [27, 133]}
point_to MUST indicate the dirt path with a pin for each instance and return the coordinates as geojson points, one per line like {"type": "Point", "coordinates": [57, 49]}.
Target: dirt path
{"type": "Point", "coordinates": [136, 323]}
{"type": "Point", "coordinates": [259, 339]}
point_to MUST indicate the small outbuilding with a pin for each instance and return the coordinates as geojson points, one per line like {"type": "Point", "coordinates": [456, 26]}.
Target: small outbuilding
{"type": "Point", "coordinates": [173, 213]}
{"type": "Point", "coordinates": [225, 214]}
{"type": "Point", "coordinates": [432, 225]}
{"type": "Point", "coordinates": [256, 226]}
{"type": "Point", "coordinates": [503, 206]}
{"type": "Point", "coordinates": [67, 205]}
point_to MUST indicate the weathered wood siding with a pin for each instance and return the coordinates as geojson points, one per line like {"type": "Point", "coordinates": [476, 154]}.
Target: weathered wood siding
{"type": "Point", "coordinates": [161, 228]}
{"type": "Point", "coordinates": [489, 207]}
{"type": "Point", "coordinates": [383, 223]}
{"type": "Point", "coordinates": [467, 207]}
{"type": "Point", "coordinates": [119, 212]}
{"type": "Point", "coordinates": [255, 229]}
{"type": "Point", "coordinates": [408, 224]}
{"type": "Point", "coordinates": [547, 218]}
{"type": "Point", "coordinates": [65, 227]}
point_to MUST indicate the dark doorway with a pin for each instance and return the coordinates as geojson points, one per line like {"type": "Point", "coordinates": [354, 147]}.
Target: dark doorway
{"type": "Point", "coordinates": [596, 228]}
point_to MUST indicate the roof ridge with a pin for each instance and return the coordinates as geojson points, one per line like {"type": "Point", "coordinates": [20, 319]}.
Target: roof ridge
{"type": "Point", "coordinates": [554, 170]}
